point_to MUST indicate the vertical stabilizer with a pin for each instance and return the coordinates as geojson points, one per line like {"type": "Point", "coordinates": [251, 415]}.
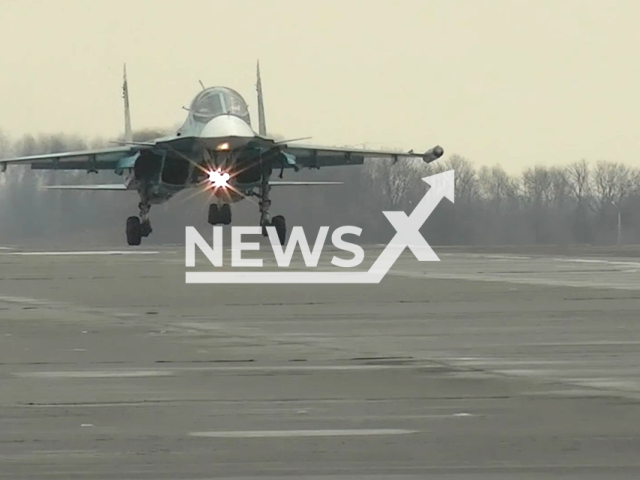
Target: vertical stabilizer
{"type": "Point", "coordinates": [128, 134]}
{"type": "Point", "coordinates": [262, 125]}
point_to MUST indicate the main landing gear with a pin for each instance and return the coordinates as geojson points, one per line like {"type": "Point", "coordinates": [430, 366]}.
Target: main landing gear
{"type": "Point", "coordinates": [219, 214]}
{"type": "Point", "coordinates": [281, 228]}
{"type": "Point", "coordinates": [278, 221]}
{"type": "Point", "coordinates": [138, 227]}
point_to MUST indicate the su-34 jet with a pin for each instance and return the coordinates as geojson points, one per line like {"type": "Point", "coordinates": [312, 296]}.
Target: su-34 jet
{"type": "Point", "coordinates": [216, 149]}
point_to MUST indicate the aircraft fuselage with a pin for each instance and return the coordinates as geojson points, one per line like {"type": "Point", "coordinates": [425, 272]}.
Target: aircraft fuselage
{"type": "Point", "coordinates": [216, 139]}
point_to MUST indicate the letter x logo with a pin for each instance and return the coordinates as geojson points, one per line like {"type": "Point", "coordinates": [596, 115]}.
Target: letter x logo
{"type": "Point", "coordinates": [408, 226]}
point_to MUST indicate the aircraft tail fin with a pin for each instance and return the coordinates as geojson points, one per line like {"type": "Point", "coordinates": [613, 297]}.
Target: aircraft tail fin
{"type": "Point", "coordinates": [128, 134]}
{"type": "Point", "coordinates": [262, 125]}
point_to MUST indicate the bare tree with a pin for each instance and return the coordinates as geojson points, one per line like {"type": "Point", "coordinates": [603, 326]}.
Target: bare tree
{"type": "Point", "coordinates": [396, 183]}
{"type": "Point", "coordinates": [560, 188]}
{"type": "Point", "coordinates": [537, 185]}
{"type": "Point", "coordinates": [466, 179]}
{"type": "Point", "coordinates": [612, 183]}
{"type": "Point", "coordinates": [578, 178]}
{"type": "Point", "coordinates": [496, 186]}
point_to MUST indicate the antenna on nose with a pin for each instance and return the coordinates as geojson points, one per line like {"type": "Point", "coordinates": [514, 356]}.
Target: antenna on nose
{"type": "Point", "coordinates": [202, 85]}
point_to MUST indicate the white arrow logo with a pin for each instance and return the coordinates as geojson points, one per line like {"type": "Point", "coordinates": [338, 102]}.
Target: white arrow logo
{"type": "Point", "coordinates": [407, 235]}
{"type": "Point", "coordinates": [408, 227]}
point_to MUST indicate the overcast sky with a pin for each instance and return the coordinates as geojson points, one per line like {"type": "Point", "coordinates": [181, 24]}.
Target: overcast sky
{"type": "Point", "coordinates": [515, 82]}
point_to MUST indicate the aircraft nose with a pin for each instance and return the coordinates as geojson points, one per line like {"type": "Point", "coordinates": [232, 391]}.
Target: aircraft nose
{"type": "Point", "coordinates": [226, 126]}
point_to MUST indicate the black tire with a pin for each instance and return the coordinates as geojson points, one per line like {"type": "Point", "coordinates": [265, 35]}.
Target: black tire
{"type": "Point", "coordinates": [134, 231]}
{"type": "Point", "coordinates": [225, 214]}
{"type": "Point", "coordinates": [281, 228]}
{"type": "Point", "coordinates": [214, 215]}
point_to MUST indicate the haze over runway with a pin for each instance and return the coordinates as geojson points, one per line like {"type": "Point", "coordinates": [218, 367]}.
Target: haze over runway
{"type": "Point", "coordinates": [515, 83]}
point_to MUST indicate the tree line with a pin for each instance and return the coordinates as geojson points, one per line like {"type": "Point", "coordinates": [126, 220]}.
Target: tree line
{"type": "Point", "coordinates": [578, 203]}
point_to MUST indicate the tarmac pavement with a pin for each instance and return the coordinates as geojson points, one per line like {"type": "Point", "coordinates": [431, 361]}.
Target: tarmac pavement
{"type": "Point", "coordinates": [491, 364]}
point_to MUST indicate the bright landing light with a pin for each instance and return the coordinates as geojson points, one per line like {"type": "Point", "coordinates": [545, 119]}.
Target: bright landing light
{"type": "Point", "coordinates": [218, 178]}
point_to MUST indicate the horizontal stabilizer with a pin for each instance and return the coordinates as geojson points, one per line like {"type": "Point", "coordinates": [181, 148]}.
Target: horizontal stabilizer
{"type": "Point", "coordinates": [302, 184]}
{"type": "Point", "coordinates": [280, 142]}
{"type": "Point", "coordinates": [135, 144]}
{"type": "Point", "coordinates": [117, 186]}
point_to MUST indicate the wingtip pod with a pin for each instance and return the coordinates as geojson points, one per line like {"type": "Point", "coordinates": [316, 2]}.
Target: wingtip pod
{"type": "Point", "coordinates": [433, 154]}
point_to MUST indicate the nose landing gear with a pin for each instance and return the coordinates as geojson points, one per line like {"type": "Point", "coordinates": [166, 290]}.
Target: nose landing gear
{"type": "Point", "coordinates": [219, 215]}
{"type": "Point", "coordinates": [138, 227]}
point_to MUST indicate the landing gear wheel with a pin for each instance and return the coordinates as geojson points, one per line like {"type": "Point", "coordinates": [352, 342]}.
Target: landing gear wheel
{"type": "Point", "coordinates": [219, 214]}
{"type": "Point", "coordinates": [225, 214]}
{"type": "Point", "coordinates": [214, 214]}
{"type": "Point", "coordinates": [134, 231]}
{"type": "Point", "coordinates": [281, 228]}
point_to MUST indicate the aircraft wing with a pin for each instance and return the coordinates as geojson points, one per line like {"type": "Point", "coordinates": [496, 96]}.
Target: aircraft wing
{"type": "Point", "coordinates": [309, 156]}
{"type": "Point", "coordinates": [301, 184]}
{"type": "Point", "coordinates": [109, 187]}
{"type": "Point", "coordinates": [89, 160]}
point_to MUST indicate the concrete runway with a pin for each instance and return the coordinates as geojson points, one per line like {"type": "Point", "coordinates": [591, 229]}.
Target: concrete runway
{"type": "Point", "coordinates": [501, 364]}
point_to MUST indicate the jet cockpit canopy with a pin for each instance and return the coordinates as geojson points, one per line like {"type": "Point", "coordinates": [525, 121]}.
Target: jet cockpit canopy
{"type": "Point", "coordinates": [216, 101]}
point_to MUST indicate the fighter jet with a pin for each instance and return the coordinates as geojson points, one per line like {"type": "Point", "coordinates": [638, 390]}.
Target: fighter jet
{"type": "Point", "coordinates": [217, 151]}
